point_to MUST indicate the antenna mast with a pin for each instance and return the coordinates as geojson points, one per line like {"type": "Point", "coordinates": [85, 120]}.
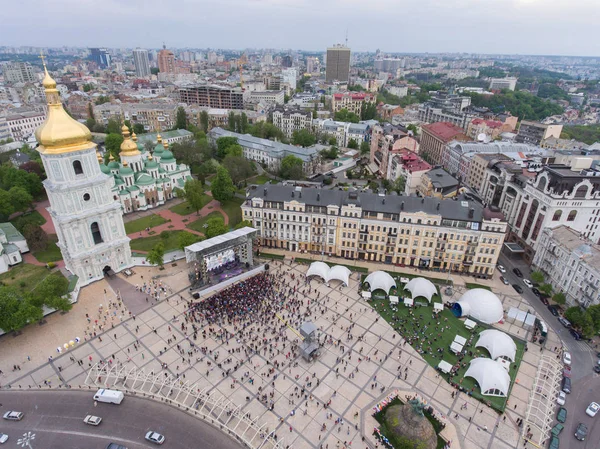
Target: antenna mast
{"type": "Point", "coordinates": [346, 37]}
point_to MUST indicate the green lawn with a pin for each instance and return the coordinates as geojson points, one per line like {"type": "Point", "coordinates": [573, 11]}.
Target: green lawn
{"type": "Point", "coordinates": [185, 209]}
{"type": "Point", "coordinates": [233, 210]}
{"type": "Point", "coordinates": [147, 243]}
{"type": "Point", "coordinates": [140, 224]}
{"type": "Point", "coordinates": [198, 225]}
{"type": "Point", "coordinates": [472, 285]}
{"type": "Point", "coordinates": [271, 256]}
{"type": "Point", "coordinates": [33, 217]}
{"type": "Point", "coordinates": [51, 253]}
{"type": "Point", "coordinates": [260, 179]}
{"type": "Point", "coordinates": [25, 277]}
{"type": "Point", "coordinates": [428, 341]}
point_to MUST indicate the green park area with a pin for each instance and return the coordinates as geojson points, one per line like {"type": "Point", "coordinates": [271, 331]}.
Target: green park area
{"type": "Point", "coordinates": [198, 225]}
{"type": "Point", "coordinates": [149, 221]}
{"type": "Point", "coordinates": [51, 253]}
{"type": "Point", "coordinates": [170, 239]}
{"type": "Point", "coordinates": [33, 217]}
{"type": "Point", "coordinates": [260, 180]}
{"type": "Point", "coordinates": [232, 209]}
{"type": "Point", "coordinates": [432, 336]}
{"type": "Point", "coordinates": [185, 208]}
{"type": "Point", "coordinates": [26, 277]}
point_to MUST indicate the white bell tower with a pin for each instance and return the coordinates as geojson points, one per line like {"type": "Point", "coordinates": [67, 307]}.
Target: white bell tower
{"type": "Point", "coordinates": [87, 217]}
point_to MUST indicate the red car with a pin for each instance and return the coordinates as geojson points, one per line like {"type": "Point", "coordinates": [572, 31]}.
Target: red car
{"type": "Point", "coordinates": [567, 371]}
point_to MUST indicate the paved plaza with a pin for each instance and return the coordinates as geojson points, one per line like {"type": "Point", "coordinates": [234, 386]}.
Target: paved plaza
{"type": "Point", "coordinates": [352, 387]}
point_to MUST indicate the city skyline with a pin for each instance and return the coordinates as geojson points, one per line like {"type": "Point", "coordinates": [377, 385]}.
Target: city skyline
{"type": "Point", "coordinates": [523, 27]}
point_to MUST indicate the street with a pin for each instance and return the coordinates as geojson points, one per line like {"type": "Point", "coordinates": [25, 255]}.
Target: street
{"type": "Point", "coordinates": [56, 420]}
{"type": "Point", "coordinates": [585, 383]}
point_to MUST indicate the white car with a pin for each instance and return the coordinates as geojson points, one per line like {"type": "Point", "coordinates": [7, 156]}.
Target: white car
{"type": "Point", "coordinates": [501, 269]}
{"type": "Point", "coordinates": [3, 438]}
{"type": "Point", "coordinates": [155, 437]}
{"type": "Point", "coordinates": [566, 358]}
{"type": "Point", "coordinates": [592, 409]}
{"type": "Point", "coordinates": [13, 416]}
{"type": "Point", "coordinates": [528, 283]}
{"type": "Point", "coordinates": [92, 420]}
{"type": "Point", "coordinates": [562, 398]}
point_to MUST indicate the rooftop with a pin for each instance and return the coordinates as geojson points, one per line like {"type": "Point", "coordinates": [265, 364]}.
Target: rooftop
{"type": "Point", "coordinates": [444, 130]}
{"type": "Point", "coordinates": [570, 239]}
{"type": "Point", "coordinates": [11, 233]}
{"type": "Point", "coordinates": [441, 178]}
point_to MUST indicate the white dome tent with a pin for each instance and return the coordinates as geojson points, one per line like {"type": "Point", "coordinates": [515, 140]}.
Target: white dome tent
{"type": "Point", "coordinates": [498, 344]}
{"type": "Point", "coordinates": [491, 376]}
{"type": "Point", "coordinates": [380, 280]}
{"type": "Point", "coordinates": [340, 273]}
{"type": "Point", "coordinates": [320, 269]}
{"type": "Point", "coordinates": [480, 304]}
{"type": "Point", "coordinates": [421, 287]}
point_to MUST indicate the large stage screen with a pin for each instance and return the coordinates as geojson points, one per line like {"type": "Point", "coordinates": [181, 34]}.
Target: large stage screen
{"type": "Point", "coordinates": [216, 260]}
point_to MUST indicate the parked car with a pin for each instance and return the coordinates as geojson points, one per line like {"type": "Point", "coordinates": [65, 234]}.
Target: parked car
{"type": "Point", "coordinates": [528, 283]}
{"type": "Point", "coordinates": [3, 438]}
{"type": "Point", "coordinates": [597, 369]}
{"type": "Point", "coordinates": [576, 335]}
{"type": "Point", "coordinates": [566, 358]}
{"type": "Point", "coordinates": [92, 420]}
{"type": "Point", "coordinates": [501, 269]}
{"type": "Point", "coordinates": [155, 437]}
{"type": "Point", "coordinates": [566, 385]}
{"type": "Point", "coordinates": [592, 409]}
{"type": "Point", "coordinates": [566, 323]}
{"type": "Point", "coordinates": [13, 416]}
{"type": "Point", "coordinates": [518, 288]}
{"type": "Point", "coordinates": [561, 398]}
{"type": "Point", "coordinates": [518, 272]}
{"type": "Point", "coordinates": [504, 280]}
{"type": "Point", "coordinates": [567, 371]}
{"type": "Point", "coordinates": [554, 443]}
{"type": "Point", "coordinates": [561, 416]}
{"type": "Point", "coordinates": [553, 310]}
{"type": "Point", "coordinates": [536, 292]}
{"type": "Point", "coordinates": [115, 446]}
{"type": "Point", "coordinates": [581, 431]}
{"type": "Point", "coordinates": [557, 429]}
{"type": "Point", "coordinates": [544, 300]}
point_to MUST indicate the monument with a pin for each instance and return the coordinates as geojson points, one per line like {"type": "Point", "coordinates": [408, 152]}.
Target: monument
{"type": "Point", "coordinates": [408, 421]}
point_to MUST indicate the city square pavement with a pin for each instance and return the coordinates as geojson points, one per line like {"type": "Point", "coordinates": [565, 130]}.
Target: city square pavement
{"type": "Point", "coordinates": [149, 339]}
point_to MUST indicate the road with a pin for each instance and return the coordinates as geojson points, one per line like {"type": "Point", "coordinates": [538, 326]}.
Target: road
{"type": "Point", "coordinates": [56, 419]}
{"type": "Point", "coordinates": [585, 383]}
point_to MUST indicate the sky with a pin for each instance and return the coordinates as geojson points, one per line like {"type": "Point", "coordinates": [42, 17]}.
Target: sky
{"type": "Point", "coordinates": [556, 27]}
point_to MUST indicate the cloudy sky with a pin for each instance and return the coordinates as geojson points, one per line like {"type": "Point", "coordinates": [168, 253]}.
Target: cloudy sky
{"type": "Point", "coordinates": [565, 27]}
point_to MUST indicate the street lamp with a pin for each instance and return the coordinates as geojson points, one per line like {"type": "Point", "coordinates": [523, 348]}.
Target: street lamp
{"type": "Point", "coordinates": [26, 440]}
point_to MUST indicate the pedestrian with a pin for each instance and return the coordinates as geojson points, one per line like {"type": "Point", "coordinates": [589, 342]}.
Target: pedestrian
{"type": "Point", "coordinates": [95, 403]}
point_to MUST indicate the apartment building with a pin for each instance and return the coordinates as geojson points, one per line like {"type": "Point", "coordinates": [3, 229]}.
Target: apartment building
{"type": "Point", "coordinates": [343, 132]}
{"type": "Point", "coordinates": [407, 164]}
{"type": "Point", "coordinates": [271, 153]}
{"type": "Point", "coordinates": [503, 83]}
{"type": "Point", "coordinates": [337, 65]}
{"type": "Point", "coordinates": [219, 118]}
{"type": "Point", "coordinates": [479, 164]}
{"type": "Point", "coordinates": [290, 120]}
{"type": "Point", "coordinates": [449, 108]}
{"type": "Point", "coordinates": [534, 132]}
{"type": "Point", "coordinates": [155, 117]}
{"type": "Point", "coordinates": [436, 136]}
{"type": "Point", "coordinates": [18, 72]}
{"type": "Point", "coordinates": [267, 97]}
{"type": "Point", "coordinates": [352, 101]}
{"type": "Point", "coordinates": [460, 236]}
{"type": "Point", "coordinates": [22, 125]}
{"type": "Point", "coordinates": [386, 141]}
{"type": "Point", "coordinates": [490, 129]}
{"type": "Point", "coordinates": [438, 183]}
{"type": "Point", "coordinates": [166, 61]}
{"type": "Point", "coordinates": [387, 111]}
{"type": "Point", "coordinates": [213, 96]}
{"type": "Point", "coordinates": [571, 265]}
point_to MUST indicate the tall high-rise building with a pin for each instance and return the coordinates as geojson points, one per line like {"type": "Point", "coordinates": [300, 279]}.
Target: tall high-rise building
{"type": "Point", "coordinates": [142, 63]}
{"type": "Point", "coordinates": [166, 61]}
{"type": "Point", "coordinates": [100, 56]}
{"type": "Point", "coordinates": [18, 72]}
{"type": "Point", "coordinates": [338, 64]}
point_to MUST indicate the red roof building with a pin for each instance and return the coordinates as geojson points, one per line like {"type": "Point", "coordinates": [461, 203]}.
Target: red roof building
{"type": "Point", "coordinates": [434, 138]}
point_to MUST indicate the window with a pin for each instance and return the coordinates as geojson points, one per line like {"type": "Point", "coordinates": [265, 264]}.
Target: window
{"type": "Point", "coordinates": [557, 215]}
{"type": "Point", "coordinates": [572, 215]}
{"type": "Point", "coordinates": [77, 167]}
{"type": "Point", "coordinates": [96, 235]}
{"type": "Point", "coordinates": [86, 197]}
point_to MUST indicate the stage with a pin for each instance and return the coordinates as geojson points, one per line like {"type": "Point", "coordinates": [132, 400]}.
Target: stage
{"type": "Point", "coordinates": [208, 290]}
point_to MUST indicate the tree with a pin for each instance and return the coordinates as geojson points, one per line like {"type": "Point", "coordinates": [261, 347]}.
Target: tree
{"type": "Point", "coordinates": [244, 123]}
{"type": "Point", "coordinates": [594, 312]}
{"type": "Point", "coordinates": [266, 130]}
{"type": "Point", "coordinates": [223, 143]}
{"type": "Point", "coordinates": [231, 122]}
{"type": "Point", "coordinates": [204, 121]}
{"type": "Point", "coordinates": [87, 87]}
{"type": "Point", "coordinates": [13, 177]}
{"type": "Point", "coordinates": [181, 119]}
{"type": "Point", "coordinates": [331, 153]}
{"type": "Point", "coordinates": [413, 128]}
{"type": "Point", "coordinates": [239, 168]}
{"type": "Point", "coordinates": [16, 311]}
{"type": "Point", "coordinates": [243, 224]}
{"type": "Point", "coordinates": [112, 143]}
{"type": "Point", "coordinates": [113, 126]}
{"type": "Point", "coordinates": [50, 293]}
{"type": "Point", "coordinates": [186, 239]}
{"type": "Point", "coordinates": [138, 128]}
{"type": "Point", "coordinates": [303, 137]}
{"type": "Point", "coordinates": [32, 167]}
{"type": "Point", "coordinates": [332, 141]}
{"type": "Point", "coordinates": [343, 115]}
{"type": "Point", "coordinates": [399, 185]}
{"type": "Point", "coordinates": [6, 207]}
{"type": "Point", "coordinates": [365, 148]}
{"type": "Point", "coordinates": [291, 167]}
{"type": "Point", "coordinates": [156, 256]}
{"type": "Point", "coordinates": [234, 150]}
{"type": "Point", "coordinates": [193, 192]}
{"type": "Point", "coordinates": [222, 188]}
{"type": "Point", "coordinates": [580, 319]}
{"type": "Point", "coordinates": [368, 111]}
{"type": "Point", "coordinates": [36, 237]}
{"type": "Point", "coordinates": [537, 277]}
{"type": "Point", "coordinates": [215, 226]}
{"type": "Point", "coordinates": [353, 144]}
{"type": "Point", "coordinates": [559, 298]}
{"type": "Point", "coordinates": [20, 199]}
{"type": "Point", "coordinates": [102, 99]}
{"type": "Point", "coordinates": [546, 289]}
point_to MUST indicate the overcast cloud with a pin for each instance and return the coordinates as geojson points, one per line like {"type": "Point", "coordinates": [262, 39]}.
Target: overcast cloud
{"type": "Point", "coordinates": [484, 26]}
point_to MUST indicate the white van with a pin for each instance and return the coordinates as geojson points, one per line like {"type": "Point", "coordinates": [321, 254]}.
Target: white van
{"type": "Point", "coordinates": [109, 396]}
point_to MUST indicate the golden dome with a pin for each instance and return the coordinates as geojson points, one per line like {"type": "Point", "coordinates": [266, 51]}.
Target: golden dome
{"type": "Point", "coordinates": [128, 147]}
{"type": "Point", "coordinates": [158, 138]}
{"type": "Point", "coordinates": [60, 133]}
{"type": "Point", "coordinates": [111, 158]}
{"type": "Point", "coordinates": [125, 164]}
{"type": "Point", "coordinates": [166, 145]}
{"type": "Point", "coordinates": [134, 136]}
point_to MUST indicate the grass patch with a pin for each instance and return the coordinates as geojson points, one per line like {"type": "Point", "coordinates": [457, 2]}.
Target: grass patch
{"type": "Point", "coordinates": [198, 225]}
{"type": "Point", "coordinates": [233, 210]}
{"type": "Point", "coordinates": [136, 254]}
{"type": "Point", "coordinates": [260, 179]}
{"type": "Point", "coordinates": [25, 277]}
{"type": "Point", "coordinates": [271, 256]}
{"type": "Point", "coordinates": [350, 267]}
{"type": "Point", "coordinates": [33, 217]}
{"type": "Point", "coordinates": [51, 253]}
{"type": "Point", "coordinates": [185, 209]}
{"type": "Point", "coordinates": [171, 241]}
{"type": "Point", "coordinates": [471, 285]}
{"type": "Point", "coordinates": [428, 341]}
{"type": "Point", "coordinates": [398, 443]}
{"type": "Point", "coordinates": [140, 224]}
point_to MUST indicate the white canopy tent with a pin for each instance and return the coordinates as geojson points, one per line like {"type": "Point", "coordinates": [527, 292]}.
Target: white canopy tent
{"type": "Point", "coordinates": [394, 299]}
{"type": "Point", "coordinates": [456, 347]}
{"type": "Point", "coordinates": [480, 304]}
{"type": "Point", "coordinates": [408, 302]}
{"type": "Point", "coordinates": [470, 324]}
{"type": "Point", "coordinates": [339, 273]}
{"type": "Point", "coordinates": [444, 367]}
{"type": "Point", "coordinates": [366, 295]}
{"type": "Point", "coordinates": [421, 287]}
{"type": "Point", "coordinates": [491, 376]}
{"type": "Point", "coordinates": [320, 269]}
{"type": "Point", "coordinates": [498, 344]}
{"type": "Point", "coordinates": [460, 340]}
{"type": "Point", "coordinates": [380, 280]}
{"type": "Point", "coordinates": [438, 307]}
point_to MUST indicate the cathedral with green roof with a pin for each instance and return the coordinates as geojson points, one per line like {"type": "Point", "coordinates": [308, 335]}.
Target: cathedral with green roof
{"type": "Point", "coordinates": [143, 180]}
